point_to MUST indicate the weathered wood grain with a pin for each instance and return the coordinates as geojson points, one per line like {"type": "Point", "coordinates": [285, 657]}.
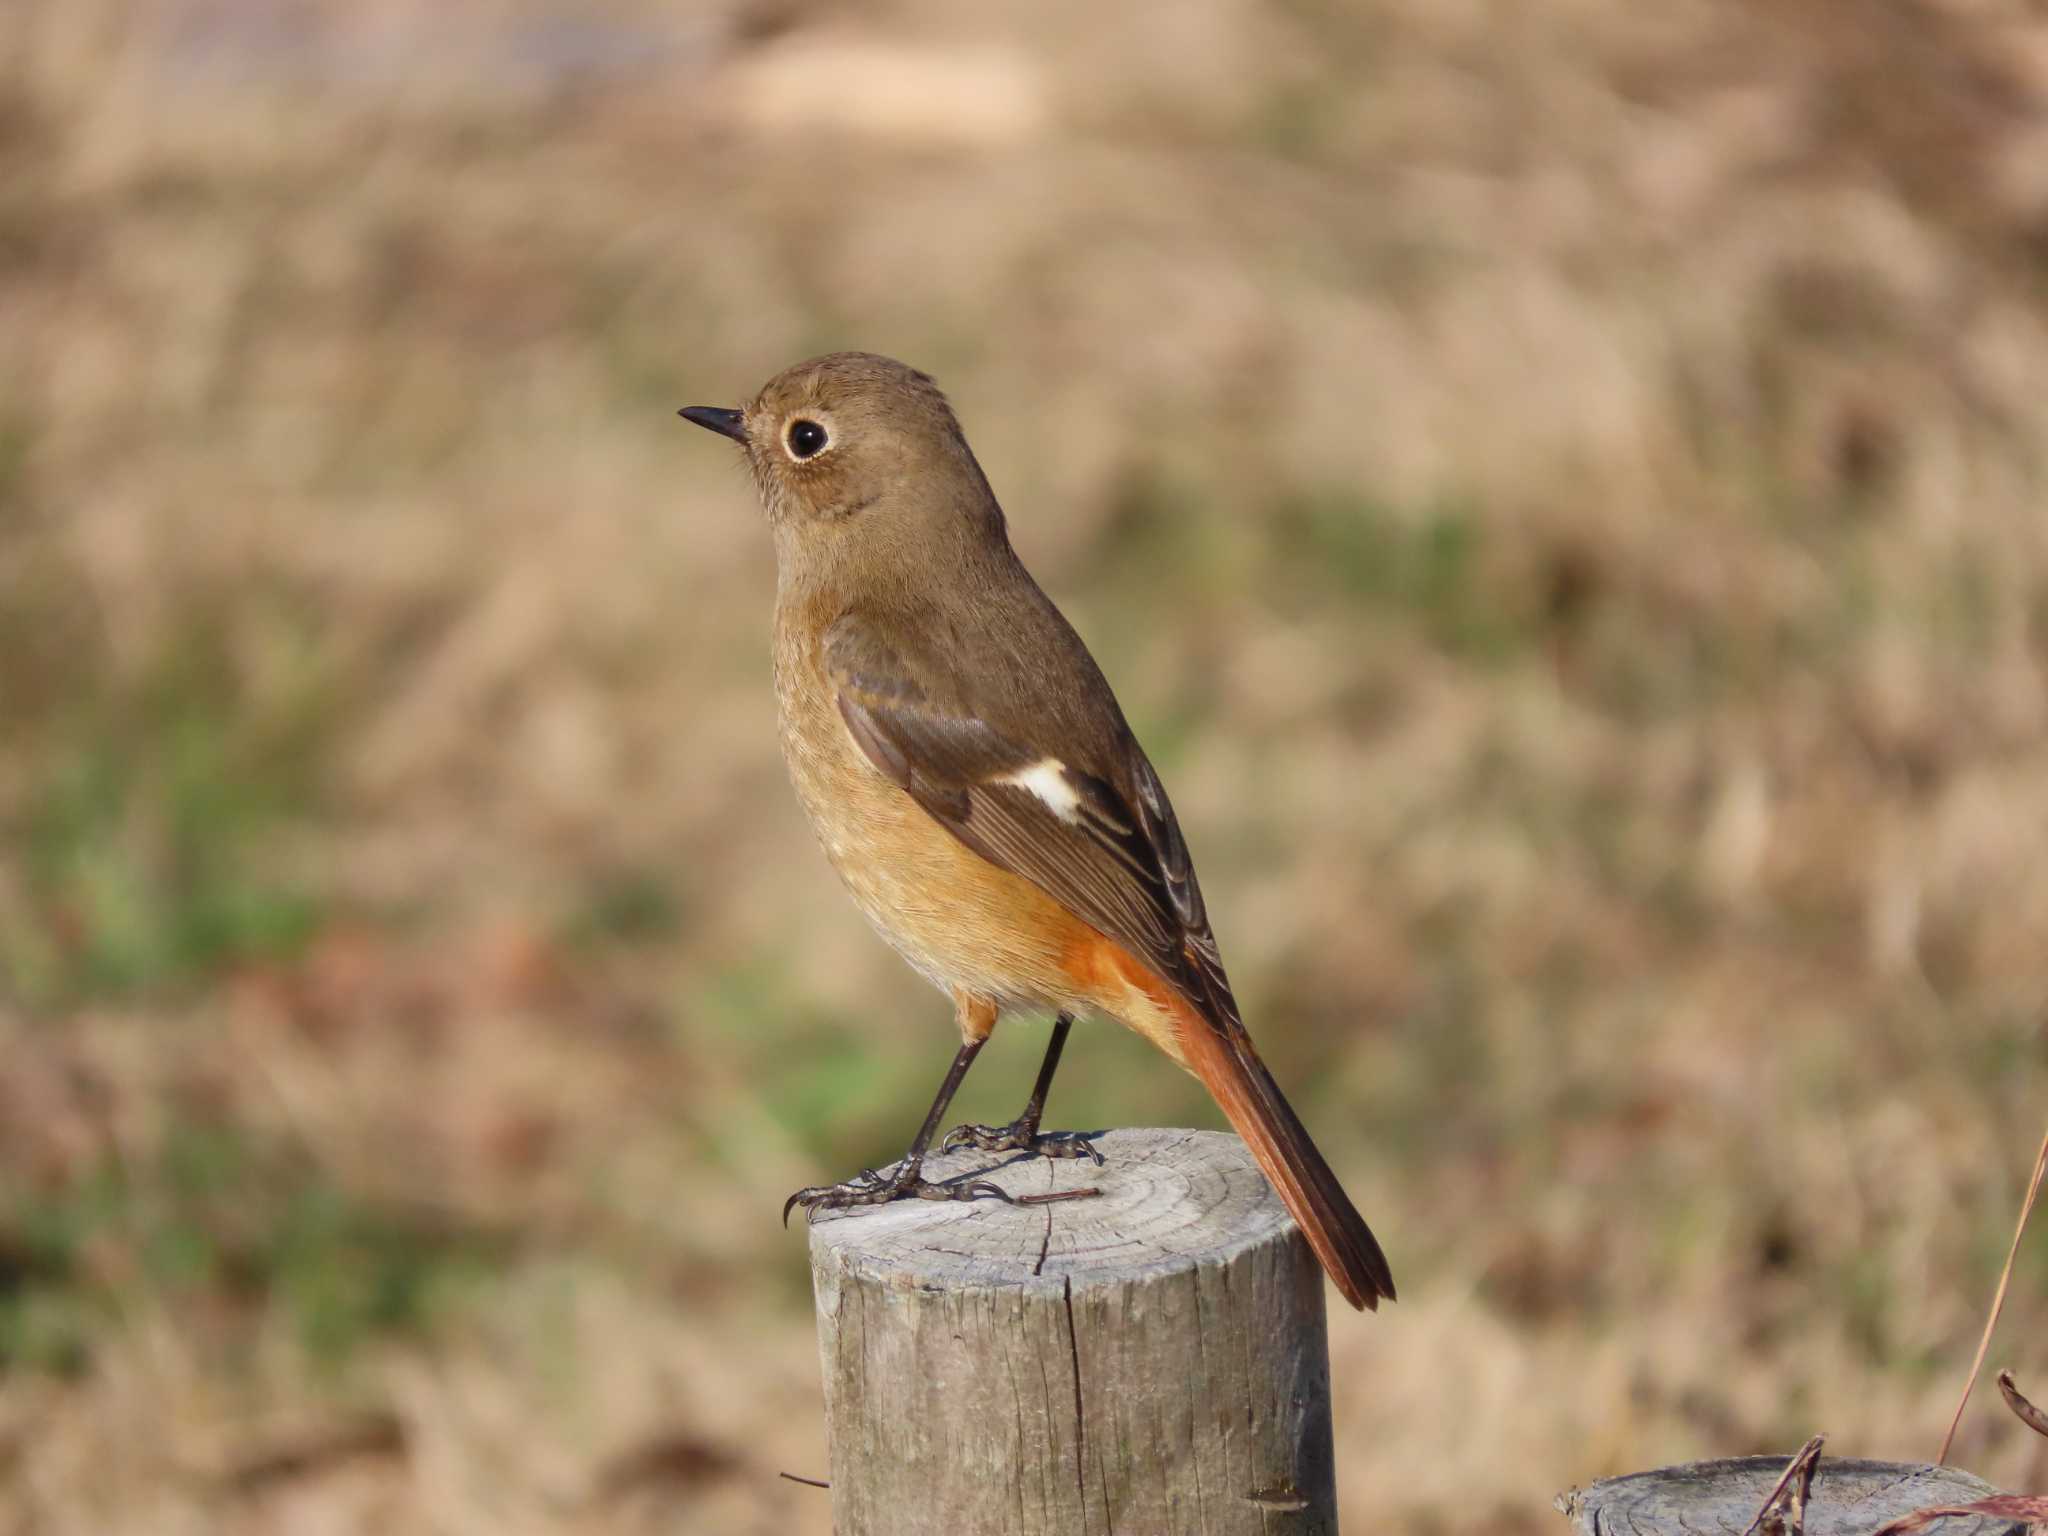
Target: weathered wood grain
{"type": "Point", "coordinates": [1153, 1360]}
{"type": "Point", "coordinates": [1721, 1498]}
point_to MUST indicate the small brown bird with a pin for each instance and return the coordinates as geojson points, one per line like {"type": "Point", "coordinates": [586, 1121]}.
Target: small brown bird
{"type": "Point", "coordinates": [974, 783]}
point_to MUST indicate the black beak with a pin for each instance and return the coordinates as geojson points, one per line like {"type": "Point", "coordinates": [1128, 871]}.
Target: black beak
{"type": "Point", "coordinates": [715, 418]}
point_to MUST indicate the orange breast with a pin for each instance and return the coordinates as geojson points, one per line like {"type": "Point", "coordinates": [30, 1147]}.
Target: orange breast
{"type": "Point", "coordinates": [964, 923]}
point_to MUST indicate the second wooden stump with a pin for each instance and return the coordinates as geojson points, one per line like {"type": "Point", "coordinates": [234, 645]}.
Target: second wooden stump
{"type": "Point", "coordinates": [1154, 1359]}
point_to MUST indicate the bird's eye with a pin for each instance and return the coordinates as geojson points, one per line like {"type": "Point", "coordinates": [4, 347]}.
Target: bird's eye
{"type": "Point", "coordinates": [806, 439]}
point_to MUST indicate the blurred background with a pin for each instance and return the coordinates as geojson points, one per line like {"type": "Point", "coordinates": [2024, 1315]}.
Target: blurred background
{"type": "Point", "coordinates": [1559, 490]}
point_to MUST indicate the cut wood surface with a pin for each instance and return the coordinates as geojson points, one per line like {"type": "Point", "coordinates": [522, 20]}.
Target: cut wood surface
{"type": "Point", "coordinates": [1151, 1360]}
{"type": "Point", "coordinates": [1721, 1498]}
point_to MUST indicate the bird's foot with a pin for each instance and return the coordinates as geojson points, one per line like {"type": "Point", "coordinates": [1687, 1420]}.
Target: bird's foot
{"type": "Point", "coordinates": [1021, 1136]}
{"type": "Point", "coordinates": [905, 1181]}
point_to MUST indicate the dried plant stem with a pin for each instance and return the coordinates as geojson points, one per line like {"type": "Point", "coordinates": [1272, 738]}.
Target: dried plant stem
{"type": "Point", "coordinates": [2005, 1506]}
{"type": "Point", "coordinates": [2028, 1414]}
{"type": "Point", "coordinates": [1997, 1301]}
{"type": "Point", "coordinates": [1784, 1512]}
{"type": "Point", "coordinates": [1056, 1195]}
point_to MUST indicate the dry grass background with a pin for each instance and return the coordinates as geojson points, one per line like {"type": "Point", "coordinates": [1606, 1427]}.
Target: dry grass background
{"type": "Point", "coordinates": [1560, 489]}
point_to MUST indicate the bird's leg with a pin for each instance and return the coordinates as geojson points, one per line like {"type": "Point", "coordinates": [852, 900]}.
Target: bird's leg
{"type": "Point", "coordinates": [906, 1181]}
{"type": "Point", "coordinates": [1022, 1134]}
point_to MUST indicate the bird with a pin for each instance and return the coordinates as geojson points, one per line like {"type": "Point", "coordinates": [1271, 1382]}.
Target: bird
{"type": "Point", "coordinates": [973, 781]}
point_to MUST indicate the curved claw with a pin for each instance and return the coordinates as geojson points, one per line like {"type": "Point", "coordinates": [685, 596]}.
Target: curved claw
{"type": "Point", "coordinates": [1014, 1137]}
{"type": "Point", "coordinates": [1081, 1145]}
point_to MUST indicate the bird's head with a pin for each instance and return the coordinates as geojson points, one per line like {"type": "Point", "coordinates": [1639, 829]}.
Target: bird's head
{"type": "Point", "coordinates": [852, 450]}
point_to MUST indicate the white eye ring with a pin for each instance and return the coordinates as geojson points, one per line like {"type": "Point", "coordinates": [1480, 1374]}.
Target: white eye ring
{"type": "Point", "coordinates": [805, 438]}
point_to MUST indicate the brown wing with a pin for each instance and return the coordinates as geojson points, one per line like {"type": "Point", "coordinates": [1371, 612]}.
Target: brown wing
{"type": "Point", "coordinates": [1082, 816]}
{"type": "Point", "coordinates": [1092, 828]}
{"type": "Point", "coordinates": [1099, 837]}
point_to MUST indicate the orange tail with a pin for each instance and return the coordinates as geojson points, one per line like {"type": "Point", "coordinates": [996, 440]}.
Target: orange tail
{"type": "Point", "coordinates": [1231, 1070]}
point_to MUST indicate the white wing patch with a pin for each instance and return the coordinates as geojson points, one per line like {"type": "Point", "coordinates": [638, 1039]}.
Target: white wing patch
{"type": "Point", "coordinates": [1047, 779]}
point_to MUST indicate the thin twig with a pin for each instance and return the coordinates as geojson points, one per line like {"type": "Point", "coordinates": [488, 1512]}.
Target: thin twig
{"type": "Point", "coordinates": [1784, 1512]}
{"type": "Point", "coordinates": [1057, 1194]}
{"type": "Point", "coordinates": [2029, 1415]}
{"type": "Point", "coordinates": [1997, 1301]}
{"type": "Point", "coordinates": [808, 1482]}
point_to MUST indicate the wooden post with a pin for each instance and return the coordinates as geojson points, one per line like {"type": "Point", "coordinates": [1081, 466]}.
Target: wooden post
{"type": "Point", "coordinates": [1721, 1498]}
{"type": "Point", "coordinates": [1153, 1360]}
